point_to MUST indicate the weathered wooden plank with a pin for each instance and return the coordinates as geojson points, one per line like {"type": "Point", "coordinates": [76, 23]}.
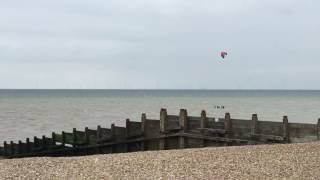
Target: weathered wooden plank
{"type": "Point", "coordinates": [80, 138]}
{"type": "Point", "coordinates": [262, 137]}
{"type": "Point", "coordinates": [213, 131]}
{"type": "Point", "coordinates": [199, 136]}
{"type": "Point", "coordinates": [68, 138]}
{"type": "Point", "coordinates": [57, 137]}
{"type": "Point", "coordinates": [133, 129]}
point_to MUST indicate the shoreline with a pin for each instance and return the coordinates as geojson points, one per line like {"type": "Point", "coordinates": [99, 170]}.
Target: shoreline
{"type": "Point", "coordinates": [292, 161]}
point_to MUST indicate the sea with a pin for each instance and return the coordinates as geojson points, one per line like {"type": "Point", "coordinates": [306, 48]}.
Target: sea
{"type": "Point", "coordinates": [28, 113]}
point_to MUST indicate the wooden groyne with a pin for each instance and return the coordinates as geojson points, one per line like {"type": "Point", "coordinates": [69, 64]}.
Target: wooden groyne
{"type": "Point", "coordinates": [170, 132]}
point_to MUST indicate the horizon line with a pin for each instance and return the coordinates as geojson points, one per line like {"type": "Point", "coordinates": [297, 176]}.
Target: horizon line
{"type": "Point", "coordinates": [204, 89]}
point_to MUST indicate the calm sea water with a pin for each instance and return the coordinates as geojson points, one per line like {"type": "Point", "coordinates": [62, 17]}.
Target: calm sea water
{"type": "Point", "coordinates": [25, 113]}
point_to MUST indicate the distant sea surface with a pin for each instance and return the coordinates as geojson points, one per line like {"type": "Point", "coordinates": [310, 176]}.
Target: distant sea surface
{"type": "Point", "coordinates": [28, 113]}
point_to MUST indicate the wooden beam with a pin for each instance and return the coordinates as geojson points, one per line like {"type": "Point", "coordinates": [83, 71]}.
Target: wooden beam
{"type": "Point", "coordinates": [99, 133]}
{"type": "Point", "coordinates": [127, 127]}
{"type": "Point", "coordinates": [87, 137]}
{"type": "Point", "coordinates": [74, 137]}
{"type": "Point", "coordinates": [53, 136]}
{"type": "Point", "coordinates": [5, 148]}
{"type": "Point", "coordinates": [12, 152]}
{"type": "Point", "coordinates": [143, 130]}
{"type": "Point", "coordinates": [286, 134]}
{"type": "Point", "coordinates": [63, 138]}
{"type": "Point", "coordinates": [203, 125]}
{"type": "Point", "coordinates": [44, 142]}
{"type": "Point", "coordinates": [35, 142]}
{"type": "Point", "coordinates": [20, 147]}
{"type": "Point", "coordinates": [163, 120]}
{"type": "Point", "coordinates": [28, 146]}
{"type": "Point", "coordinates": [213, 131]}
{"type": "Point", "coordinates": [228, 125]}
{"type": "Point", "coordinates": [163, 128]}
{"type": "Point", "coordinates": [183, 123]}
{"type": "Point", "coordinates": [203, 119]}
{"type": "Point", "coordinates": [254, 124]}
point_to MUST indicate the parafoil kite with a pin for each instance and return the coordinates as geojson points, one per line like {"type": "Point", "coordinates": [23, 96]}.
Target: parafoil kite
{"type": "Point", "coordinates": [223, 54]}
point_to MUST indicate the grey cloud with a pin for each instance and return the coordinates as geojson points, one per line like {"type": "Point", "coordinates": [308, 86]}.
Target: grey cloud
{"type": "Point", "coordinates": [160, 44]}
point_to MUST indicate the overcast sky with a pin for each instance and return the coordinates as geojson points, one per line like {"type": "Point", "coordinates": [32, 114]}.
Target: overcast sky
{"type": "Point", "coordinates": [271, 44]}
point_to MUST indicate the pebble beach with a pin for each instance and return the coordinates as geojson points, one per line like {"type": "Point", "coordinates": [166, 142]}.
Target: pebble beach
{"type": "Point", "coordinates": [282, 161]}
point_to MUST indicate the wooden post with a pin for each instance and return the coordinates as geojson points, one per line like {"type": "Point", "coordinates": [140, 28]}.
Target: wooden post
{"type": "Point", "coordinates": [254, 129]}
{"type": "Point", "coordinates": [28, 147]}
{"type": "Point", "coordinates": [163, 120]}
{"type": "Point", "coordinates": [204, 119]}
{"type": "Point", "coordinates": [53, 136]}
{"type": "Point", "coordinates": [99, 133]}
{"type": "Point", "coordinates": [113, 131]}
{"type": "Point", "coordinates": [143, 129]}
{"type": "Point", "coordinates": [286, 135]}
{"type": "Point", "coordinates": [35, 141]}
{"type": "Point", "coordinates": [11, 148]}
{"type": "Point", "coordinates": [87, 138]}
{"type": "Point", "coordinates": [128, 131]}
{"type": "Point", "coordinates": [44, 142]}
{"type": "Point", "coordinates": [74, 137]}
{"type": "Point", "coordinates": [228, 125]}
{"type": "Point", "coordinates": [20, 148]}
{"type": "Point", "coordinates": [318, 129]}
{"type": "Point", "coordinates": [5, 148]}
{"type": "Point", "coordinates": [86, 134]}
{"type": "Point", "coordinates": [63, 138]}
{"type": "Point", "coordinates": [127, 128]}
{"type": "Point", "coordinates": [183, 120]}
{"type": "Point", "coordinates": [254, 124]}
{"type": "Point", "coordinates": [183, 123]}
{"type": "Point", "coordinates": [113, 137]}
{"type": "Point", "coordinates": [163, 128]}
{"type": "Point", "coordinates": [203, 124]}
